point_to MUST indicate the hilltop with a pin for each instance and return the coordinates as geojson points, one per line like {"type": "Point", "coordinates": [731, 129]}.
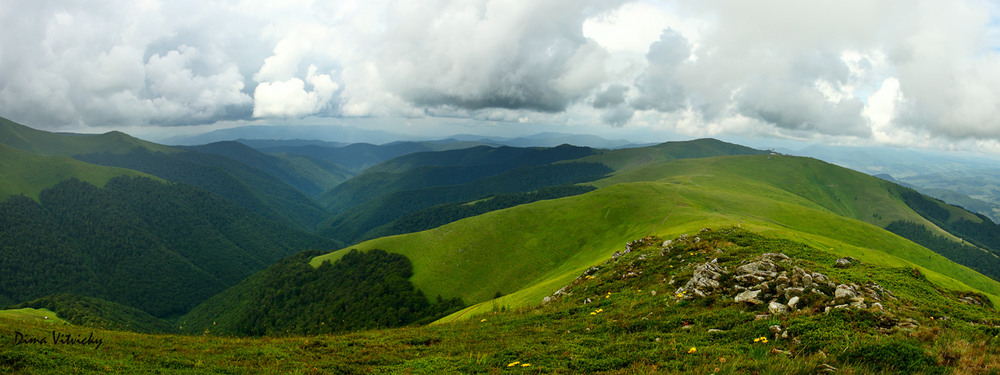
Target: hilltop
{"type": "Point", "coordinates": [637, 312]}
{"type": "Point", "coordinates": [530, 255]}
{"type": "Point", "coordinates": [527, 251]}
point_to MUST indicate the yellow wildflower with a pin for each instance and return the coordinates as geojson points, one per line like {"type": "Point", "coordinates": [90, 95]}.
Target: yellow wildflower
{"type": "Point", "coordinates": [512, 364]}
{"type": "Point", "coordinates": [483, 321]}
{"type": "Point", "coordinates": [692, 350]}
{"type": "Point", "coordinates": [525, 365]}
{"type": "Point", "coordinates": [593, 313]}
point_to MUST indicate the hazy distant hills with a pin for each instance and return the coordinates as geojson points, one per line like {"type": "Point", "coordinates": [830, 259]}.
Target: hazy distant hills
{"type": "Point", "coordinates": [307, 174]}
{"type": "Point", "coordinates": [967, 180]}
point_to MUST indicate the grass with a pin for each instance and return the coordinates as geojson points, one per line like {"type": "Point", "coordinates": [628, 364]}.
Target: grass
{"type": "Point", "coordinates": [40, 316]}
{"type": "Point", "coordinates": [69, 144]}
{"type": "Point", "coordinates": [625, 329]}
{"type": "Point", "coordinates": [526, 252]}
{"type": "Point", "coordinates": [29, 174]}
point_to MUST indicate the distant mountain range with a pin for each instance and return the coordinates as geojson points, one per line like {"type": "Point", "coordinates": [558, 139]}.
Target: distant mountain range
{"type": "Point", "coordinates": [567, 244]}
{"type": "Point", "coordinates": [264, 136]}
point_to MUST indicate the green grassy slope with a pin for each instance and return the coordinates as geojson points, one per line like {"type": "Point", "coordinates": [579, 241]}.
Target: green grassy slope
{"type": "Point", "coordinates": [431, 169]}
{"type": "Point", "coordinates": [28, 174]}
{"type": "Point", "coordinates": [608, 324]}
{"type": "Point", "coordinates": [534, 249]}
{"type": "Point", "coordinates": [700, 148]}
{"type": "Point", "coordinates": [354, 223]}
{"type": "Point", "coordinates": [66, 144]}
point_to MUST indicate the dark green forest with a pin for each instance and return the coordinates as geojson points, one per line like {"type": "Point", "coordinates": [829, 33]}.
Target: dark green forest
{"type": "Point", "coordinates": [980, 260]}
{"type": "Point", "coordinates": [358, 291]}
{"type": "Point", "coordinates": [159, 247]}
{"type": "Point", "coordinates": [244, 185]}
{"type": "Point", "coordinates": [984, 234]}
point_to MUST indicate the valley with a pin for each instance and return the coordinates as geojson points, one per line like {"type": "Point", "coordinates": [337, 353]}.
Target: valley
{"type": "Point", "coordinates": [460, 257]}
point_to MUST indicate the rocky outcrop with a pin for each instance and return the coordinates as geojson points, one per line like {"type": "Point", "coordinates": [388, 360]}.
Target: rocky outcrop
{"type": "Point", "coordinates": [845, 262]}
{"type": "Point", "coordinates": [705, 278]}
{"type": "Point", "coordinates": [774, 281]}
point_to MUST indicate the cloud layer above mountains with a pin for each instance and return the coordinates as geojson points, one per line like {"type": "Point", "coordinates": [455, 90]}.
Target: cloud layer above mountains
{"type": "Point", "coordinates": [896, 72]}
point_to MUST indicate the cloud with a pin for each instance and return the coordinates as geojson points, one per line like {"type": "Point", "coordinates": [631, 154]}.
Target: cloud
{"type": "Point", "coordinates": [490, 54]}
{"type": "Point", "coordinates": [70, 64]}
{"type": "Point", "coordinates": [290, 99]}
{"type": "Point", "coordinates": [851, 69]}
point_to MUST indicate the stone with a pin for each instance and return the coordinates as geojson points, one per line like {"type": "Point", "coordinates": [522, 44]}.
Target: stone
{"type": "Point", "coordinates": [761, 269]}
{"type": "Point", "coordinates": [775, 329]}
{"type": "Point", "coordinates": [774, 257]}
{"type": "Point", "coordinates": [820, 278]}
{"type": "Point", "coordinates": [749, 296]}
{"type": "Point", "coordinates": [877, 306]}
{"type": "Point", "coordinates": [845, 262]}
{"type": "Point", "coordinates": [844, 292]}
{"type": "Point", "coordinates": [807, 281]}
{"type": "Point", "coordinates": [705, 276]}
{"type": "Point", "coordinates": [908, 324]}
{"type": "Point", "coordinates": [762, 286]}
{"type": "Point", "coordinates": [547, 299]}
{"type": "Point", "coordinates": [792, 303]}
{"type": "Point", "coordinates": [793, 292]}
{"type": "Point", "coordinates": [715, 330]}
{"type": "Point", "coordinates": [777, 308]}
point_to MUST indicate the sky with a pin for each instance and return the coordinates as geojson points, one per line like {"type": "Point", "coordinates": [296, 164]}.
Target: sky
{"type": "Point", "coordinates": [913, 73]}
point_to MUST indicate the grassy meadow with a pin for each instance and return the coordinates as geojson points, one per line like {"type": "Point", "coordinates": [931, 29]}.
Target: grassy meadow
{"type": "Point", "coordinates": [607, 323]}
{"type": "Point", "coordinates": [527, 252]}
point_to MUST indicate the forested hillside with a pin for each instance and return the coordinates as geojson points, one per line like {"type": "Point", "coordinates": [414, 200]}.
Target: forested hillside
{"type": "Point", "coordinates": [360, 290]}
{"type": "Point", "coordinates": [159, 247]}
{"type": "Point", "coordinates": [309, 175]}
{"type": "Point", "coordinates": [240, 183]}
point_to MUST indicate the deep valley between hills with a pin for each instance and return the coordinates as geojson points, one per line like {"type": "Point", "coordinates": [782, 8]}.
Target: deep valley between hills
{"type": "Point", "coordinates": [683, 257]}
